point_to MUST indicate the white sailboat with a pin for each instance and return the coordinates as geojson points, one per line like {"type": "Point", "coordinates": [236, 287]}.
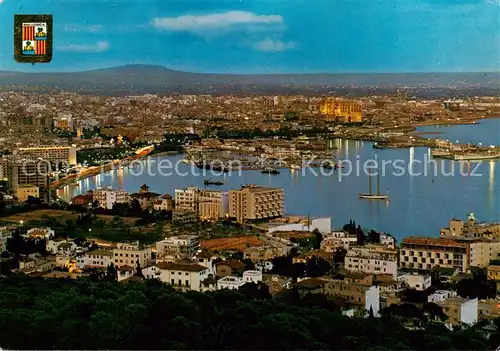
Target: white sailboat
{"type": "Point", "coordinates": [371, 195]}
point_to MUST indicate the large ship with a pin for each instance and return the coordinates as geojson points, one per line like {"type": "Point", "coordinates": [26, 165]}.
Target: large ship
{"type": "Point", "coordinates": [476, 156]}
{"type": "Point", "coordinates": [440, 153]}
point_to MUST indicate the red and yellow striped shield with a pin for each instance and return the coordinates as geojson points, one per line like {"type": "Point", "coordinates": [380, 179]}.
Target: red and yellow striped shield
{"type": "Point", "coordinates": [40, 47]}
{"type": "Point", "coordinates": [28, 33]}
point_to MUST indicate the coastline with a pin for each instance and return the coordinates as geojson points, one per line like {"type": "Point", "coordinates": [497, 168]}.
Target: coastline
{"type": "Point", "coordinates": [93, 171]}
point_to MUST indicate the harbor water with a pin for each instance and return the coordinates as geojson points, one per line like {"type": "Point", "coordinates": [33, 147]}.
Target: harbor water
{"type": "Point", "coordinates": [423, 195]}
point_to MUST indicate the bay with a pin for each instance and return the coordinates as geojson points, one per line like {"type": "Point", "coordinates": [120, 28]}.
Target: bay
{"type": "Point", "coordinates": [424, 194]}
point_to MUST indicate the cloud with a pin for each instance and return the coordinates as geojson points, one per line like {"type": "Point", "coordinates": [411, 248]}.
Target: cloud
{"type": "Point", "coordinates": [225, 21]}
{"type": "Point", "coordinates": [271, 45]}
{"type": "Point", "coordinates": [87, 28]}
{"type": "Point", "coordinates": [1, 1]}
{"type": "Point", "coordinates": [100, 46]}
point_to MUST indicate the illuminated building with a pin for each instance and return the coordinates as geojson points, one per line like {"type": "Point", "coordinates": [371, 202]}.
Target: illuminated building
{"type": "Point", "coordinates": [349, 111]}
{"type": "Point", "coordinates": [27, 190]}
{"type": "Point", "coordinates": [254, 202]}
{"type": "Point", "coordinates": [59, 154]}
{"type": "Point", "coordinates": [22, 172]}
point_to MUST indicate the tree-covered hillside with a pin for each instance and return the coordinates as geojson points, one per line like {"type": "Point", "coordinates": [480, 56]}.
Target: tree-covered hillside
{"type": "Point", "coordinates": [82, 314]}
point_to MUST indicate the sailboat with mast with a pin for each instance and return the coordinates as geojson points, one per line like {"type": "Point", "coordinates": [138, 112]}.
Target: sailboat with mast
{"type": "Point", "coordinates": [371, 195]}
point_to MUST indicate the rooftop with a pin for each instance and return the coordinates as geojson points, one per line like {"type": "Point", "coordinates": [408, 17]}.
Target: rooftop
{"type": "Point", "coordinates": [234, 264]}
{"type": "Point", "coordinates": [311, 283]}
{"type": "Point", "coordinates": [186, 267]}
{"type": "Point", "coordinates": [432, 241]}
{"type": "Point", "coordinates": [101, 252]}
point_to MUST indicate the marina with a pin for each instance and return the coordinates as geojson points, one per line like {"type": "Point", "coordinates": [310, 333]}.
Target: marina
{"type": "Point", "coordinates": [426, 199]}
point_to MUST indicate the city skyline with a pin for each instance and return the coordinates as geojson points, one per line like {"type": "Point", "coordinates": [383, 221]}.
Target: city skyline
{"type": "Point", "coordinates": [267, 37]}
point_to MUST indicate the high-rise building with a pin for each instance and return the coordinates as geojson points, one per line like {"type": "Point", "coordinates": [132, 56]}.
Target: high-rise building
{"type": "Point", "coordinates": [209, 204]}
{"type": "Point", "coordinates": [55, 154]}
{"type": "Point", "coordinates": [255, 202]}
{"type": "Point", "coordinates": [24, 172]}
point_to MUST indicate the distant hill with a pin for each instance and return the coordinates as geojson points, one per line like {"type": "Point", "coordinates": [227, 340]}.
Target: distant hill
{"type": "Point", "coordinates": [138, 79]}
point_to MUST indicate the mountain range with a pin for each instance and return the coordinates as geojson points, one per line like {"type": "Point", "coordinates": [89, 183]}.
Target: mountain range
{"type": "Point", "coordinates": [140, 79]}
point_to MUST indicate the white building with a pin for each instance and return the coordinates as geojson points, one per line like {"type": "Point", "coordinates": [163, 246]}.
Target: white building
{"type": "Point", "coordinates": [205, 259]}
{"type": "Point", "coordinates": [230, 282]}
{"type": "Point", "coordinates": [441, 295]}
{"type": "Point", "coordinates": [372, 300]}
{"type": "Point", "coordinates": [336, 240]}
{"type": "Point", "coordinates": [209, 204]}
{"type": "Point", "coordinates": [418, 282]}
{"type": "Point", "coordinates": [184, 276]}
{"type": "Point", "coordinates": [372, 259]}
{"type": "Point", "coordinates": [387, 240]}
{"type": "Point", "coordinates": [186, 198]}
{"type": "Point", "coordinates": [45, 233]}
{"type": "Point", "coordinates": [323, 225]}
{"type": "Point", "coordinates": [129, 254]}
{"type": "Point", "coordinates": [52, 245]}
{"type": "Point", "coordinates": [252, 276]}
{"type": "Point", "coordinates": [179, 247]}
{"type": "Point", "coordinates": [108, 197]}
{"type": "Point", "coordinates": [95, 259]}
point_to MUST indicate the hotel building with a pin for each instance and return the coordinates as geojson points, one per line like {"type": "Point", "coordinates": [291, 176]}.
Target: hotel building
{"type": "Point", "coordinates": [427, 253]}
{"type": "Point", "coordinates": [254, 202]}
{"type": "Point", "coordinates": [56, 154]}
{"type": "Point", "coordinates": [372, 259]}
{"type": "Point", "coordinates": [129, 254]}
{"type": "Point", "coordinates": [209, 204]}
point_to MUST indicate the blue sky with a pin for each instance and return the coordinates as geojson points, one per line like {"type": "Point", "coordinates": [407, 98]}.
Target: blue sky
{"type": "Point", "coordinates": [265, 36]}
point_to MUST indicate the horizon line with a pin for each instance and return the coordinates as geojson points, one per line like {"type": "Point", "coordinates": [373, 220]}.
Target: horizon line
{"type": "Point", "coordinates": [251, 74]}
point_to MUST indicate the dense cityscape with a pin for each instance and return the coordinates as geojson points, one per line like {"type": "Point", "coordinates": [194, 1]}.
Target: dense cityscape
{"type": "Point", "coordinates": [249, 175]}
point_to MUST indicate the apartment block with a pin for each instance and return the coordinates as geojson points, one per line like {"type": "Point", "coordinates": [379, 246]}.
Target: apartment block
{"type": "Point", "coordinates": [336, 240]}
{"type": "Point", "coordinates": [129, 254]}
{"type": "Point", "coordinates": [26, 172]}
{"type": "Point", "coordinates": [472, 228]}
{"type": "Point", "coordinates": [25, 191]}
{"type": "Point", "coordinates": [209, 204]}
{"type": "Point", "coordinates": [427, 253]}
{"type": "Point", "coordinates": [180, 247]}
{"type": "Point", "coordinates": [419, 282]}
{"type": "Point", "coordinates": [494, 272]}
{"type": "Point", "coordinates": [165, 204]}
{"type": "Point", "coordinates": [95, 259]}
{"type": "Point", "coordinates": [372, 259]}
{"type": "Point", "coordinates": [108, 197]}
{"type": "Point", "coordinates": [184, 216]}
{"type": "Point", "coordinates": [186, 198]}
{"type": "Point", "coordinates": [354, 292]}
{"type": "Point", "coordinates": [55, 154]}
{"type": "Point", "coordinates": [253, 202]}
